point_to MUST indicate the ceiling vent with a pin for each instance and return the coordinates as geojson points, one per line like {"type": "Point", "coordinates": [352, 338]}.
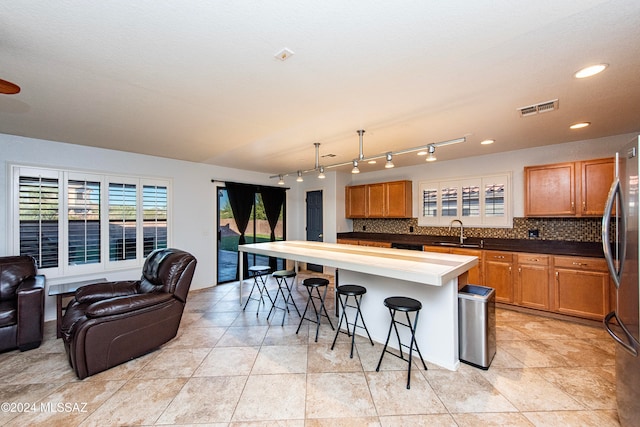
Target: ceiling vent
{"type": "Point", "coordinates": [543, 107]}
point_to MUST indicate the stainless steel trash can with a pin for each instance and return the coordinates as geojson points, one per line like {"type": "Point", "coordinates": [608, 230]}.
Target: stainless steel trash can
{"type": "Point", "coordinates": [477, 325]}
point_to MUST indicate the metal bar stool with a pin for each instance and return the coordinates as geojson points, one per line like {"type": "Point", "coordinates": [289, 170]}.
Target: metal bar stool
{"type": "Point", "coordinates": [259, 273]}
{"type": "Point", "coordinates": [406, 305]}
{"type": "Point", "coordinates": [310, 284]}
{"type": "Point", "coordinates": [355, 291]}
{"type": "Point", "coordinates": [281, 277]}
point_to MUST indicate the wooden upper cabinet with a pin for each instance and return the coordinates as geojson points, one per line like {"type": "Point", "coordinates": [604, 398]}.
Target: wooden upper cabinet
{"type": "Point", "coordinates": [399, 199]}
{"type": "Point", "coordinates": [376, 200]}
{"type": "Point", "coordinates": [568, 189]}
{"type": "Point", "coordinates": [550, 190]}
{"type": "Point", "coordinates": [356, 201]}
{"type": "Point", "coordinates": [380, 200]}
{"type": "Point", "coordinates": [597, 176]}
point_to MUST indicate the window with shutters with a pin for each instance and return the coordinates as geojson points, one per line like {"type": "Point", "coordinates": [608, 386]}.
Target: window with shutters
{"type": "Point", "coordinates": [73, 222]}
{"type": "Point", "coordinates": [482, 201]}
{"type": "Point", "coordinates": [38, 218]}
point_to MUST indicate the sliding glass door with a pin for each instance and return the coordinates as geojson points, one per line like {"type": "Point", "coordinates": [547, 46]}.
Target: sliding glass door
{"type": "Point", "coordinates": [258, 230]}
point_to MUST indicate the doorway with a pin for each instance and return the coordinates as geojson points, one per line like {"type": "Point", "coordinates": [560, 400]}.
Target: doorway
{"type": "Point", "coordinates": [314, 223]}
{"type": "Point", "coordinates": [228, 236]}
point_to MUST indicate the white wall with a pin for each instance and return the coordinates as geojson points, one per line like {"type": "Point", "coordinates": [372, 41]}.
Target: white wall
{"type": "Point", "coordinates": [194, 195]}
{"type": "Point", "coordinates": [514, 161]}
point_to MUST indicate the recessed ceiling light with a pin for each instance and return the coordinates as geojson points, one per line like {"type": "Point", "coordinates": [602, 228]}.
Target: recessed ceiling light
{"type": "Point", "coordinates": [488, 141]}
{"type": "Point", "coordinates": [591, 70]}
{"type": "Point", "coordinates": [579, 125]}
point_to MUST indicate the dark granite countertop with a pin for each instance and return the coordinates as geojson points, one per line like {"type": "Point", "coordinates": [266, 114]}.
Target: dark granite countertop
{"type": "Point", "coordinates": [551, 247]}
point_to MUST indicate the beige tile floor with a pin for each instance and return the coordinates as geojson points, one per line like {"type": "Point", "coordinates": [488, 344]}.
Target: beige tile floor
{"type": "Point", "coordinates": [229, 367]}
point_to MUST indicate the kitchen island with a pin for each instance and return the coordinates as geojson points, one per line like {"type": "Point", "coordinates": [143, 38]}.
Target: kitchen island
{"type": "Point", "coordinates": [431, 278]}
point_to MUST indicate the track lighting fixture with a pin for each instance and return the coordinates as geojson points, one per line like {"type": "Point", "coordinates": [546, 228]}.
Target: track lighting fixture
{"type": "Point", "coordinates": [389, 163]}
{"type": "Point", "coordinates": [428, 149]}
{"type": "Point", "coordinates": [431, 156]}
{"type": "Point", "coordinates": [355, 167]}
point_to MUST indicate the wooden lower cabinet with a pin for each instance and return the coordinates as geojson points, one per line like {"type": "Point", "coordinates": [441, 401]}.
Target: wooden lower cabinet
{"type": "Point", "coordinates": [569, 285]}
{"type": "Point", "coordinates": [347, 241]}
{"type": "Point", "coordinates": [376, 244]}
{"type": "Point", "coordinates": [475, 273]}
{"type": "Point", "coordinates": [497, 271]}
{"type": "Point", "coordinates": [532, 282]}
{"type": "Point", "coordinates": [364, 243]}
{"type": "Point", "coordinates": [581, 287]}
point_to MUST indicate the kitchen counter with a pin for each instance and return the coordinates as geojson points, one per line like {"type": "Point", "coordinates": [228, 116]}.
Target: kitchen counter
{"type": "Point", "coordinates": [431, 278]}
{"type": "Point", "coordinates": [551, 247]}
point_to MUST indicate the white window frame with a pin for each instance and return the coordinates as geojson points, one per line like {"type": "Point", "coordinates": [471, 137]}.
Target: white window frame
{"type": "Point", "coordinates": [63, 175]}
{"type": "Point", "coordinates": [505, 221]}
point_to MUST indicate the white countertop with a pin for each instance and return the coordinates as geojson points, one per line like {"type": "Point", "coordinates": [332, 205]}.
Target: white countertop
{"type": "Point", "coordinates": [422, 267]}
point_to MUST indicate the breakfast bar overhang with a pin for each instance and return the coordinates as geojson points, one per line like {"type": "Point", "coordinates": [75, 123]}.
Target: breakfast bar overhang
{"type": "Point", "coordinates": [429, 277]}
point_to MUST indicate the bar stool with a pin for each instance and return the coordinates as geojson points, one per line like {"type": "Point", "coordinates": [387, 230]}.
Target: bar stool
{"type": "Point", "coordinates": [355, 291]}
{"type": "Point", "coordinates": [259, 273]}
{"type": "Point", "coordinates": [281, 277]}
{"type": "Point", "coordinates": [406, 305]}
{"type": "Point", "coordinates": [310, 284]}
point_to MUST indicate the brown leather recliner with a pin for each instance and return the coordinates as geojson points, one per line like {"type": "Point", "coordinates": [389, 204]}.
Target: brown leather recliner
{"type": "Point", "coordinates": [21, 303]}
{"type": "Point", "coordinates": [107, 324]}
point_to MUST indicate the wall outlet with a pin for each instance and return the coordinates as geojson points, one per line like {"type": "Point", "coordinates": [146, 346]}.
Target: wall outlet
{"type": "Point", "coordinates": [411, 229]}
{"type": "Point", "coordinates": [364, 228]}
{"type": "Point", "coordinates": [534, 234]}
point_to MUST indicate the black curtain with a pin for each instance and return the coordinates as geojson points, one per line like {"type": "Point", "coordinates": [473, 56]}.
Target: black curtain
{"type": "Point", "coordinates": [241, 198]}
{"type": "Point", "coordinates": [272, 199]}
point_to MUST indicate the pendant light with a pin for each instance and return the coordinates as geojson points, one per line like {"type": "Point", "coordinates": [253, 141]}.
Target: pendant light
{"type": "Point", "coordinates": [321, 174]}
{"type": "Point", "coordinates": [280, 180]}
{"type": "Point", "coordinates": [389, 163]}
{"type": "Point", "coordinates": [355, 167]}
{"type": "Point", "coordinates": [431, 157]}
{"type": "Point", "coordinates": [299, 178]}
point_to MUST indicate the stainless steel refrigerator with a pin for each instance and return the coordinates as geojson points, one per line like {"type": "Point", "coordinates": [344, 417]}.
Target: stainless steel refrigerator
{"type": "Point", "coordinates": [620, 226]}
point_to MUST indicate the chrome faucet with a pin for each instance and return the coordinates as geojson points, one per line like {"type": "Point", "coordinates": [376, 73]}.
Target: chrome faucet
{"type": "Point", "coordinates": [461, 229]}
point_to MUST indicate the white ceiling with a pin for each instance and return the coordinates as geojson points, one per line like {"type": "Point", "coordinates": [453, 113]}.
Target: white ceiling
{"type": "Point", "coordinates": [198, 80]}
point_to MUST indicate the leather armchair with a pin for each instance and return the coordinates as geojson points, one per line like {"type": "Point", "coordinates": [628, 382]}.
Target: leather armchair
{"type": "Point", "coordinates": [21, 303]}
{"type": "Point", "coordinates": [107, 324]}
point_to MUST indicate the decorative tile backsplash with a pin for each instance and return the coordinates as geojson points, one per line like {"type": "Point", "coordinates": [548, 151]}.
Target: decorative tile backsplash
{"type": "Point", "coordinates": [571, 229]}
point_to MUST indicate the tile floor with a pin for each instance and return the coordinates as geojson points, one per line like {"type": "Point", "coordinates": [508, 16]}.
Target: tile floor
{"type": "Point", "coordinates": [227, 367]}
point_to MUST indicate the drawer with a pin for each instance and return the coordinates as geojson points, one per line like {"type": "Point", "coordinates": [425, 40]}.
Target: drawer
{"type": "Point", "coordinates": [533, 259]}
{"type": "Point", "coordinates": [579, 263]}
{"type": "Point", "coordinates": [498, 256]}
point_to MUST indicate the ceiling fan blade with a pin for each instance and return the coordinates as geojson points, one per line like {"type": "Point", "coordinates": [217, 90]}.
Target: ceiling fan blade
{"type": "Point", "coordinates": [8, 88]}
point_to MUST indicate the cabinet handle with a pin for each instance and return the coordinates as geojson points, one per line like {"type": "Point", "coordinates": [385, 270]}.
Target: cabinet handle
{"type": "Point", "coordinates": [498, 256]}
{"type": "Point", "coordinates": [533, 259]}
{"type": "Point", "coordinates": [579, 263]}
{"type": "Point", "coordinates": [519, 269]}
{"type": "Point", "coordinates": [584, 206]}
